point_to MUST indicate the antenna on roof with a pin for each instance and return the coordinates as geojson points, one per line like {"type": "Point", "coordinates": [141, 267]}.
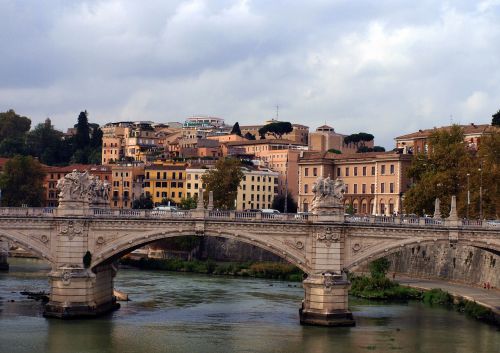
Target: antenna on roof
{"type": "Point", "coordinates": [451, 119]}
{"type": "Point", "coordinates": [277, 111]}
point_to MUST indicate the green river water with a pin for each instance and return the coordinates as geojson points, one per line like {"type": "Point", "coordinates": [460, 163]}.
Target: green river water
{"type": "Point", "coordinates": [174, 312]}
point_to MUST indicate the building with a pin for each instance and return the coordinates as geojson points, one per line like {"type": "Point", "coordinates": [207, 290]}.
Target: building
{"type": "Point", "coordinates": [280, 156]}
{"type": "Point", "coordinates": [126, 183]}
{"type": "Point", "coordinates": [136, 141]}
{"type": "Point", "coordinates": [299, 134]}
{"type": "Point", "coordinates": [325, 138]}
{"type": "Point", "coordinates": [257, 189]}
{"type": "Point", "coordinates": [418, 142]}
{"type": "Point", "coordinates": [194, 181]}
{"type": "Point", "coordinates": [165, 181]}
{"type": "Point", "coordinates": [375, 182]}
{"type": "Point", "coordinates": [204, 121]}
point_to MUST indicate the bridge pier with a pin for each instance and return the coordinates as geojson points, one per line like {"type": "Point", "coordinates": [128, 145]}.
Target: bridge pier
{"type": "Point", "coordinates": [4, 254]}
{"type": "Point", "coordinates": [80, 292]}
{"type": "Point", "coordinates": [325, 302]}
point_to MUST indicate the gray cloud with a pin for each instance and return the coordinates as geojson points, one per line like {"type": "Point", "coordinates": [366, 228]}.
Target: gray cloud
{"type": "Point", "coordinates": [387, 67]}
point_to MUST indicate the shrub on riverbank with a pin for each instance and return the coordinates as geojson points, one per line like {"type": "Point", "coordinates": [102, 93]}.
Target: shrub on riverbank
{"type": "Point", "coordinates": [380, 288]}
{"type": "Point", "coordinates": [259, 269]}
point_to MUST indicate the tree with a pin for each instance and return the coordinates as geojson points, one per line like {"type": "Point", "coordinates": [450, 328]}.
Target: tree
{"type": "Point", "coordinates": [358, 138]}
{"type": "Point", "coordinates": [47, 144]}
{"type": "Point", "coordinates": [249, 136]}
{"type": "Point", "coordinates": [441, 173]}
{"type": "Point", "coordinates": [13, 125]}
{"type": "Point", "coordinates": [143, 203]}
{"type": "Point", "coordinates": [167, 202]}
{"type": "Point", "coordinates": [224, 181]}
{"type": "Point", "coordinates": [279, 204]}
{"type": "Point", "coordinates": [82, 136]}
{"type": "Point", "coordinates": [350, 209]}
{"type": "Point", "coordinates": [496, 119]}
{"type": "Point", "coordinates": [379, 267]}
{"type": "Point", "coordinates": [188, 203]}
{"type": "Point", "coordinates": [236, 129]}
{"type": "Point", "coordinates": [22, 182]}
{"type": "Point", "coordinates": [277, 129]}
{"type": "Point", "coordinates": [333, 150]}
{"type": "Point", "coordinates": [364, 149]}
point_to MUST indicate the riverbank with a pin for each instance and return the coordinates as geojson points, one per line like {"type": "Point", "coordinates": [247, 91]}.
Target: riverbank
{"type": "Point", "coordinates": [270, 270]}
{"type": "Point", "coordinates": [384, 289]}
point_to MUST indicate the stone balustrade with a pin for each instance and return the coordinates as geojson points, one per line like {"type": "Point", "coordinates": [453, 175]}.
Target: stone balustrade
{"type": "Point", "coordinates": [404, 221]}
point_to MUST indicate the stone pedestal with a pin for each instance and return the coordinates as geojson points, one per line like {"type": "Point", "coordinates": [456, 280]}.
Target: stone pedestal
{"type": "Point", "coordinates": [79, 292]}
{"type": "Point", "coordinates": [325, 302]}
{"type": "Point", "coordinates": [4, 254]}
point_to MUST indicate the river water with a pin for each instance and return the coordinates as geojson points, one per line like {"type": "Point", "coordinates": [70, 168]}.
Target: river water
{"type": "Point", "coordinates": [172, 312]}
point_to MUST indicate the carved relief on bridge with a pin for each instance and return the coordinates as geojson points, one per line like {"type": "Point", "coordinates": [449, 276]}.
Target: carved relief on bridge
{"type": "Point", "coordinates": [328, 235]}
{"type": "Point", "coordinates": [72, 229]}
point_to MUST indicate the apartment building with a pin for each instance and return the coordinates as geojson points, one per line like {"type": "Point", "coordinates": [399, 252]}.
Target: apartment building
{"type": "Point", "coordinates": [126, 183]}
{"type": "Point", "coordinates": [165, 181]}
{"type": "Point", "coordinates": [194, 181]}
{"type": "Point", "coordinates": [375, 182]}
{"type": "Point", "coordinates": [257, 189]}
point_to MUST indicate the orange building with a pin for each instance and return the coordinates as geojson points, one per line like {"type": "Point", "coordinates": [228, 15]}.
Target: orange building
{"type": "Point", "coordinates": [127, 180]}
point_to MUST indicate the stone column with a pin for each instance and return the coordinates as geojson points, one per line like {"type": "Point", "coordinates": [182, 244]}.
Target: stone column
{"type": "Point", "coordinates": [77, 290]}
{"type": "Point", "coordinates": [80, 292]}
{"type": "Point", "coordinates": [325, 302]}
{"type": "Point", "coordinates": [210, 201]}
{"type": "Point", "coordinates": [4, 254]}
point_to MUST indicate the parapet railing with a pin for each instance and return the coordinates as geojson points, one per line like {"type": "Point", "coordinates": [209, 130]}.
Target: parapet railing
{"type": "Point", "coordinates": [247, 216]}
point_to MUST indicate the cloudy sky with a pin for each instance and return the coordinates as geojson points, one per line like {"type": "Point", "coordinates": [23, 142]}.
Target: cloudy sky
{"type": "Point", "coordinates": [386, 67]}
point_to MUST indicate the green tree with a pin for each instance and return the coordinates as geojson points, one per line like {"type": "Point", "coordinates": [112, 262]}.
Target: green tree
{"type": "Point", "coordinates": [82, 136]}
{"type": "Point", "coordinates": [236, 129]}
{"type": "Point", "coordinates": [13, 129]}
{"type": "Point", "coordinates": [22, 182]}
{"type": "Point", "coordinates": [358, 139]}
{"type": "Point", "coordinates": [364, 149]}
{"type": "Point", "coordinates": [496, 119]}
{"type": "Point", "coordinates": [46, 143]}
{"type": "Point", "coordinates": [249, 136]}
{"type": "Point", "coordinates": [143, 203]}
{"type": "Point", "coordinates": [188, 203]}
{"type": "Point", "coordinates": [277, 129]}
{"type": "Point", "coordinates": [279, 204]}
{"type": "Point", "coordinates": [13, 125]}
{"type": "Point", "coordinates": [441, 173]}
{"type": "Point", "coordinates": [350, 209]}
{"type": "Point", "coordinates": [379, 267]}
{"type": "Point", "coordinates": [333, 150]}
{"type": "Point", "coordinates": [224, 181]}
{"type": "Point", "coordinates": [166, 201]}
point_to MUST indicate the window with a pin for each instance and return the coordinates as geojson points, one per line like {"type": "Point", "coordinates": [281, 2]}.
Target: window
{"type": "Point", "coordinates": [363, 188]}
{"type": "Point", "coordinates": [338, 172]}
{"type": "Point", "coordinates": [157, 175]}
{"type": "Point", "coordinates": [306, 188]}
{"type": "Point", "coordinates": [180, 175]}
{"type": "Point", "coordinates": [392, 168]}
{"type": "Point", "coordinates": [258, 197]}
{"type": "Point", "coordinates": [258, 179]}
{"type": "Point", "coordinates": [373, 170]}
{"type": "Point", "coordinates": [173, 175]}
{"type": "Point", "coordinates": [315, 171]}
{"type": "Point", "coordinates": [258, 187]}
{"type": "Point", "coordinates": [364, 171]}
{"type": "Point", "coordinates": [189, 177]}
{"type": "Point", "coordinates": [253, 178]}
{"type": "Point", "coordinates": [196, 186]}
{"type": "Point", "coordinates": [382, 169]}
{"type": "Point", "coordinates": [244, 187]}
{"type": "Point", "coordinates": [158, 184]}
{"type": "Point", "coordinates": [391, 187]}
{"type": "Point", "coordinates": [355, 171]}
{"type": "Point", "coordinates": [347, 171]}
{"type": "Point", "coordinates": [372, 188]}
{"type": "Point", "coordinates": [173, 184]}
{"type": "Point", "coordinates": [346, 188]}
{"type": "Point", "coordinates": [355, 191]}
{"type": "Point", "coordinates": [189, 185]}
{"type": "Point", "coordinates": [382, 187]}
{"type": "Point", "coordinates": [306, 171]}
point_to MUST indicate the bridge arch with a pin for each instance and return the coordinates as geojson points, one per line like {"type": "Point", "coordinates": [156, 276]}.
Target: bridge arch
{"type": "Point", "coordinates": [129, 243]}
{"type": "Point", "coordinates": [385, 250]}
{"type": "Point", "coordinates": [31, 245]}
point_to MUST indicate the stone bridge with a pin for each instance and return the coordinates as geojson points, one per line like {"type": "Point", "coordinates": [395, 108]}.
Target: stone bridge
{"type": "Point", "coordinates": [325, 246]}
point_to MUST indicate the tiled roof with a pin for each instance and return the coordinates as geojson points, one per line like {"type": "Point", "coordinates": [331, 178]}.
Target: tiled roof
{"type": "Point", "coordinates": [264, 142]}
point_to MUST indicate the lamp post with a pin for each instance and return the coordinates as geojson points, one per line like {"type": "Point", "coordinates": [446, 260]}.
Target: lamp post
{"type": "Point", "coordinates": [481, 191]}
{"type": "Point", "coordinates": [468, 194]}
